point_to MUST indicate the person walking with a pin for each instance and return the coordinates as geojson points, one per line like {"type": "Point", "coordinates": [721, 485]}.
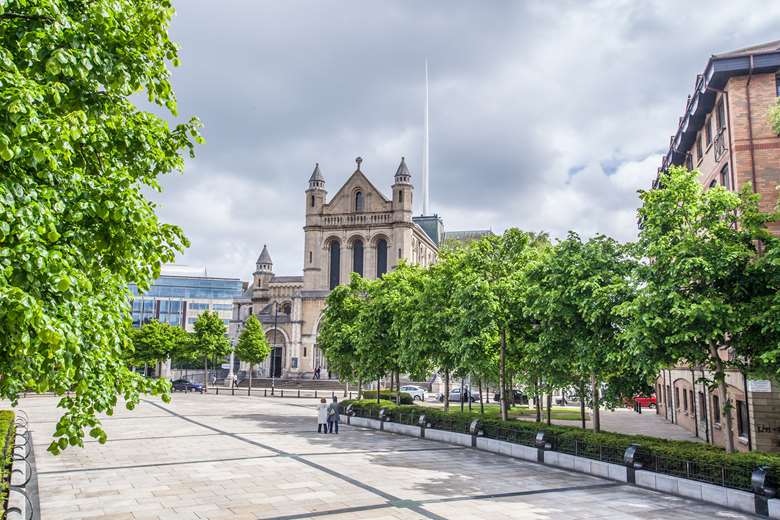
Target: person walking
{"type": "Point", "coordinates": [322, 416]}
{"type": "Point", "coordinates": [235, 380]}
{"type": "Point", "coordinates": [333, 415]}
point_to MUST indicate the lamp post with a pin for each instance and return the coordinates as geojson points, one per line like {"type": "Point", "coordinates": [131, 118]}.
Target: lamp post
{"type": "Point", "coordinates": [273, 352]}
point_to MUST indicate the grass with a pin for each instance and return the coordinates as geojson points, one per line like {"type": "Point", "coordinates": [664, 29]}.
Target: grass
{"type": "Point", "coordinates": [522, 412]}
{"type": "Point", "coordinates": [6, 432]}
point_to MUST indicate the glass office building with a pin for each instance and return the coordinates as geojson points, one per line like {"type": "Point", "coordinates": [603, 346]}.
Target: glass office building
{"type": "Point", "coordinates": [180, 295]}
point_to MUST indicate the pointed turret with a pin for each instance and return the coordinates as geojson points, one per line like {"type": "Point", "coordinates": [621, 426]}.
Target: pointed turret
{"type": "Point", "coordinates": [316, 181]}
{"type": "Point", "coordinates": [264, 263]}
{"type": "Point", "coordinates": [402, 175]}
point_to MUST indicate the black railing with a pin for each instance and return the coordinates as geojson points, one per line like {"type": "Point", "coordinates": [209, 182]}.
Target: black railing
{"type": "Point", "coordinates": [589, 450]}
{"type": "Point", "coordinates": [515, 436]}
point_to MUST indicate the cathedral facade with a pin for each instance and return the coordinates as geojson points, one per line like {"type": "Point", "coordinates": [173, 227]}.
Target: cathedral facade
{"type": "Point", "coordinates": [358, 230]}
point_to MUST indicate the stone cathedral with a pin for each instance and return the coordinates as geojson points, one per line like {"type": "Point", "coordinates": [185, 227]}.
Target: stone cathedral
{"type": "Point", "coordinates": [358, 230]}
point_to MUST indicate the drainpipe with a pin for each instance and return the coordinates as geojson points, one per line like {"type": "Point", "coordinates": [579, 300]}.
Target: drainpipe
{"type": "Point", "coordinates": [750, 128]}
{"type": "Point", "coordinates": [706, 412]}
{"type": "Point", "coordinates": [693, 405]}
{"type": "Point", "coordinates": [747, 412]}
{"type": "Point", "coordinates": [665, 397]}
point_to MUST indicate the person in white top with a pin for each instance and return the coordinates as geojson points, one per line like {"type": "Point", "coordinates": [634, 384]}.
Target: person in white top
{"type": "Point", "coordinates": [322, 417]}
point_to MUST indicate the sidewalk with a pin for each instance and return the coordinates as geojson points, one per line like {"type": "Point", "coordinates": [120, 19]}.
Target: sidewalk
{"type": "Point", "coordinates": [623, 420]}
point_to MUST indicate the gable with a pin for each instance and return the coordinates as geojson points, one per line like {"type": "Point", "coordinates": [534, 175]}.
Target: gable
{"type": "Point", "coordinates": [342, 202]}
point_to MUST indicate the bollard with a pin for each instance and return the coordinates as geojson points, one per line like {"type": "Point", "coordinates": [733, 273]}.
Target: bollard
{"type": "Point", "coordinates": [282, 392]}
{"type": "Point", "coordinates": [332, 394]}
{"type": "Point", "coordinates": [423, 422]}
{"type": "Point", "coordinates": [541, 445]}
{"type": "Point", "coordinates": [349, 412]}
{"type": "Point", "coordinates": [631, 460]}
{"type": "Point", "coordinates": [382, 418]}
{"type": "Point", "coordinates": [763, 490]}
{"type": "Point", "coordinates": [315, 394]}
{"type": "Point", "coordinates": [265, 392]}
{"type": "Point", "coordinates": [475, 429]}
{"type": "Point", "coordinates": [217, 390]}
{"type": "Point", "coordinates": [299, 393]}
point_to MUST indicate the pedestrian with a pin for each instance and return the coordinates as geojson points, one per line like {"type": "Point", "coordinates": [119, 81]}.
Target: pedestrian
{"type": "Point", "coordinates": [333, 415]}
{"type": "Point", "coordinates": [322, 416]}
{"type": "Point", "coordinates": [214, 380]}
{"type": "Point", "coordinates": [235, 380]}
{"type": "Point", "coordinates": [317, 373]}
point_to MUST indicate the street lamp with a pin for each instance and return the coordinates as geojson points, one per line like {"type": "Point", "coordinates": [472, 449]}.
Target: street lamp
{"type": "Point", "coordinates": [273, 350]}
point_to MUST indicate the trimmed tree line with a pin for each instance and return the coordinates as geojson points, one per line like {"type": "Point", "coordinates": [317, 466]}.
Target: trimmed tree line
{"type": "Point", "coordinates": [698, 288]}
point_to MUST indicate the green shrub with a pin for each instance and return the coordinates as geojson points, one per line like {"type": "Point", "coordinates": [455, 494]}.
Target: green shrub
{"type": "Point", "coordinates": [389, 396]}
{"type": "Point", "coordinates": [6, 432]}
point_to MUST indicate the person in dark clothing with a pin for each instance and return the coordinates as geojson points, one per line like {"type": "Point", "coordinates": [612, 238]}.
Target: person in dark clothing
{"type": "Point", "coordinates": [333, 415]}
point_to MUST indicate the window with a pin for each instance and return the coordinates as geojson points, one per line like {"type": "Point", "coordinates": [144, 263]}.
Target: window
{"type": "Point", "coordinates": [777, 84]}
{"type": "Point", "coordinates": [702, 406]}
{"type": "Point", "coordinates": [708, 130]}
{"type": "Point", "coordinates": [198, 306]}
{"type": "Point", "coordinates": [716, 409]}
{"type": "Point", "coordinates": [724, 176]}
{"type": "Point", "coordinates": [693, 403]}
{"type": "Point", "coordinates": [720, 113]}
{"type": "Point", "coordinates": [226, 322]}
{"type": "Point", "coordinates": [399, 253]}
{"type": "Point", "coordinates": [381, 257]}
{"type": "Point", "coordinates": [685, 400]}
{"type": "Point", "coordinates": [191, 321]}
{"type": "Point", "coordinates": [400, 195]}
{"type": "Point", "coordinates": [688, 162]}
{"type": "Point", "coordinates": [668, 396]}
{"type": "Point", "coordinates": [742, 419]}
{"type": "Point", "coordinates": [310, 256]}
{"type": "Point", "coordinates": [312, 201]}
{"type": "Point", "coordinates": [357, 257]}
{"type": "Point", "coordinates": [677, 397]}
{"type": "Point", "coordinates": [304, 351]}
{"type": "Point", "coordinates": [335, 263]}
{"type": "Point", "coordinates": [287, 308]}
{"type": "Point", "coordinates": [713, 183]}
{"type": "Point", "coordinates": [699, 153]}
{"type": "Point", "coordinates": [359, 201]}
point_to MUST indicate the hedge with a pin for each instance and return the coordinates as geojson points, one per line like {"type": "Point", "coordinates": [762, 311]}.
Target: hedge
{"type": "Point", "coordinates": [693, 460]}
{"type": "Point", "coordinates": [6, 434]}
{"type": "Point", "coordinates": [388, 396]}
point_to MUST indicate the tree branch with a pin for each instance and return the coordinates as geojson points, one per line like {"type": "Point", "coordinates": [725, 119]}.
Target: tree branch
{"type": "Point", "coordinates": [28, 17]}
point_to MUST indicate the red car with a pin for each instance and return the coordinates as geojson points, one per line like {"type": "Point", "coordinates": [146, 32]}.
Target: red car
{"type": "Point", "coordinates": [645, 402]}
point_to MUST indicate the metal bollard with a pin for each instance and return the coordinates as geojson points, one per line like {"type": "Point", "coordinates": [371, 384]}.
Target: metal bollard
{"type": "Point", "coordinates": [423, 422]}
{"type": "Point", "coordinates": [541, 445]}
{"type": "Point", "coordinates": [265, 392]}
{"type": "Point", "coordinates": [299, 392]}
{"type": "Point", "coordinates": [631, 460]}
{"type": "Point", "coordinates": [475, 428]}
{"type": "Point", "coordinates": [763, 490]}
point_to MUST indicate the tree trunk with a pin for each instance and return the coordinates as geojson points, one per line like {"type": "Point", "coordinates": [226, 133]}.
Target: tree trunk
{"type": "Point", "coordinates": [549, 406]}
{"type": "Point", "coordinates": [360, 388]}
{"type": "Point", "coordinates": [582, 404]}
{"type": "Point", "coordinates": [206, 373]}
{"type": "Point", "coordinates": [469, 394]}
{"type": "Point", "coordinates": [537, 401]}
{"type": "Point", "coordinates": [481, 404]}
{"type": "Point", "coordinates": [720, 376]}
{"type": "Point", "coordinates": [462, 386]}
{"type": "Point", "coordinates": [398, 385]}
{"type": "Point", "coordinates": [249, 390]}
{"type": "Point", "coordinates": [145, 368]}
{"type": "Point", "coordinates": [596, 416]}
{"type": "Point", "coordinates": [446, 390]}
{"type": "Point", "coordinates": [378, 386]}
{"type": "Point", "coordinates": [502, 376]}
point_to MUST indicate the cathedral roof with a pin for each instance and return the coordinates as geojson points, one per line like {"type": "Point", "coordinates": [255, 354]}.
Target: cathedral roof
{"type": "Point", "coordinates": [402, 169]}
{"type": "Point", "coordinates": [316, 175]}
{"type": "Point", "coordinates": [265, 256]}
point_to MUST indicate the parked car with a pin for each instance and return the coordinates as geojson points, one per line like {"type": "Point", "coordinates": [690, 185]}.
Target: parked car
{"type": "Point", "coordinates": [517, 397]}
{"type": "Point", "coordinates": [456, 397]}
{"type": "Point", "coordinates": [417, 393]}
{"type": "Point", "coordinates": [182, 385]}
{"type": "Point", "coordinates": [644, 401]}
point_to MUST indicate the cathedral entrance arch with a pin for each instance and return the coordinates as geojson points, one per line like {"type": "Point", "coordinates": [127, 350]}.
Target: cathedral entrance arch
{"type": "Point", "coordinates": [278, 358]}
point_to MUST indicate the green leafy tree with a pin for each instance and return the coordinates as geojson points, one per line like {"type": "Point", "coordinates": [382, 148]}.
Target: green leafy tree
{"type": "Point", "coordinates": [338, 330]}
{"type": "Point", "coordinates": [210, 340]}
{"type": "Point", "coordinates": [154, 342]}
{"type": "Point", "coordinates": [700, 247]}
{"type": "Point", "coordinates": [575, 297]}
{"type": "Point", "coordinates": [774, 117]}
{"type": "Point", "coordinates": [76, 157]}
{"type": "Point", "coordinates": [252, 345]}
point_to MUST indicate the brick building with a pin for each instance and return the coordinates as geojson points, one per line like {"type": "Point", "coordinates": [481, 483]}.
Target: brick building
{"type": "Point", "coordinates": [726, 135]}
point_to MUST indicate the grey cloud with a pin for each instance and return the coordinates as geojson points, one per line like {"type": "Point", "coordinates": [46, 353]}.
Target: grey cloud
{"type": "Point", "coordinates": [521, 94]}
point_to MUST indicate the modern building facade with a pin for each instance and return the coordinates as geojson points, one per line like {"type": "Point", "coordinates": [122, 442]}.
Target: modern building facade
{"type": "Point", "coordinates": [181, 294]}
{"type": "Point", "coordinates": [358, 230]}
{"type": "Point", "coordinates": [726, 135]}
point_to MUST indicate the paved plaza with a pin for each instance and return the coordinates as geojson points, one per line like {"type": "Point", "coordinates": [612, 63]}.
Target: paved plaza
{"type": "Point", "coordinates": [219, 457]}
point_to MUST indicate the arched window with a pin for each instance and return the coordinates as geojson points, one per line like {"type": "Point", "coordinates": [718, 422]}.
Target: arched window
{"type": "Point", "coordinates": [287, 308]}
{"type": "Point", "coordinates": [357, 257]}
{"type": "Point", "coordinates": [312, 201]}
{"type": "Point", "coordinates": [359, 201]}
{"type": "Point", "coordinates": [335, 264]}
{"type": "Point", "coordinates": [381, 257]}
{"type": "Point", "coordinates": [400, 196]}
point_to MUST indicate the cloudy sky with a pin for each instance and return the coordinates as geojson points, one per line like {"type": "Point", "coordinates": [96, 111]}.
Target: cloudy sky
{"type": "Point", "coordinates": [548, 116]}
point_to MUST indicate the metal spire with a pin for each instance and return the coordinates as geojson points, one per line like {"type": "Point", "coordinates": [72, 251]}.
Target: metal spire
{"type": "Point", "coordinates": [425, 149]}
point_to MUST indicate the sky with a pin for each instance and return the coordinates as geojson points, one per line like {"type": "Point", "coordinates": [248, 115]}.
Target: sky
{"type": "Point", "coordinates": [546, 116]}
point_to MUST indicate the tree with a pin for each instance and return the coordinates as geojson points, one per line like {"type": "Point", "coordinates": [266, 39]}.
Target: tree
{"type": "Point", "coordinates": [574, 297]}
{"type": "Point", "coordinates": [774, 117]}
{"type": "Point", "coordinates": [252, 345]}
{"type": "Point", "coordinates": [210, 340]}
{"type": "Point", "coordinates": [338, 330]}
{"type": "Point", "coordinates": [700, 247]}
{"type": "Point", "coordinates": [76, 157]}
{"type": "Point", "coordinates": [154, 342]}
